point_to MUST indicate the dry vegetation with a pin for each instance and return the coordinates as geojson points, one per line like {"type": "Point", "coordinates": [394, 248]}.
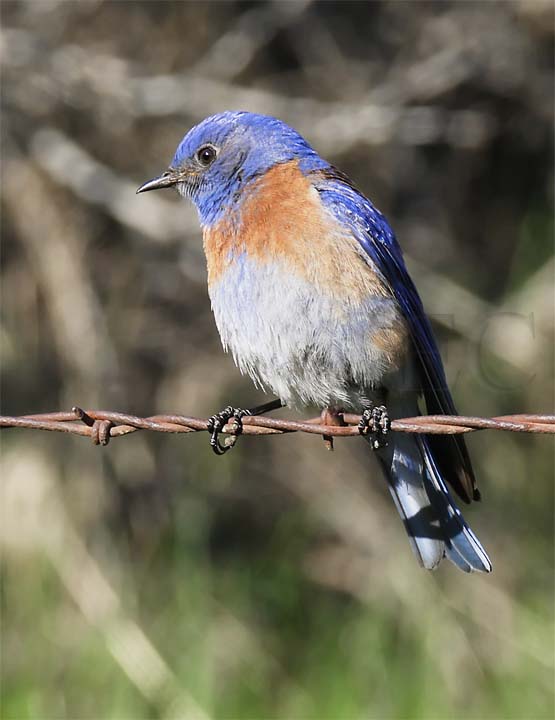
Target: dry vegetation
{"type": "Point", "coordinates": [152, 579]}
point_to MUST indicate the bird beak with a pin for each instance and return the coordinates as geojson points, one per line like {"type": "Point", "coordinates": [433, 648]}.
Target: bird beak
{"type": "Point", "coordinates": [166, 179]}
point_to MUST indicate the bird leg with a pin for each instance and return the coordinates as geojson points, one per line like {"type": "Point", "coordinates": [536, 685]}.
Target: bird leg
{"type": "Point", "coordinates": [331, 416]}
{"type": "Point", "coordinates": [375, 422]}
{"type": "Point", "coordinates": [217, 422]}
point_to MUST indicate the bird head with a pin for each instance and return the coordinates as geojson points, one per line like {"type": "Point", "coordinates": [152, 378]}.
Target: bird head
{"type": "Point", "coordinates": [221, 155]}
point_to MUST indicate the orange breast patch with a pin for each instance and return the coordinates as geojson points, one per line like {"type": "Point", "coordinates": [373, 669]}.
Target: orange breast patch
{"type": "Point", "coordinates": [283, 220]}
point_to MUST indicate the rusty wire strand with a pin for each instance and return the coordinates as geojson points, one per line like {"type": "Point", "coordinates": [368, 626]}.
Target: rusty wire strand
{"type": "Point", "coordinates": [102, 425]}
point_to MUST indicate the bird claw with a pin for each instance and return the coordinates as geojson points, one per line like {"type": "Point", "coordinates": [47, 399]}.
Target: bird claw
{"type": "Point", "coordinates": [376, 423]}
{"type": "Point", "coordinates": [216, 424]}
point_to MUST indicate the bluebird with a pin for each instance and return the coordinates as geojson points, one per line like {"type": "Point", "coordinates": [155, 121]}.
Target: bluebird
{"type": "Point", "coordinates": [311, 295]}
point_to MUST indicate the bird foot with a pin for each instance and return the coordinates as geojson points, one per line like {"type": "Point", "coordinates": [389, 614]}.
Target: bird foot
{"type": "Point", "coordinates": [216, 424]}
{"type": "Point", "coordinates": [375, 422]}
{"type": "Point", "coordinates": [218, 421]}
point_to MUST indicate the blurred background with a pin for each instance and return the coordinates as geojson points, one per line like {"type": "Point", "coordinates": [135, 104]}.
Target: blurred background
{"type": "Point", "coordinates": [152, 579]}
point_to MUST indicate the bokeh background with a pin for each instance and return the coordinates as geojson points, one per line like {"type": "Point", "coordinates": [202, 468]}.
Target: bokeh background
{"type": "Point", "coordinates": [152, 579]}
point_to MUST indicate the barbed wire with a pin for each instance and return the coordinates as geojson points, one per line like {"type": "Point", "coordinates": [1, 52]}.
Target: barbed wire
{"type": "Point", "coordinates": [103, 425]}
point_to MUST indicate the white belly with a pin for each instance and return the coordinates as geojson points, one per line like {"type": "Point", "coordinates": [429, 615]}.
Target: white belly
{"type": "Point", "coordinates": [307, 347]}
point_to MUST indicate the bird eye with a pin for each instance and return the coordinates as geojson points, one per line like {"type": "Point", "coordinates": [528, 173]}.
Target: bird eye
{"type": "Point", "coordinates": [206, 155]}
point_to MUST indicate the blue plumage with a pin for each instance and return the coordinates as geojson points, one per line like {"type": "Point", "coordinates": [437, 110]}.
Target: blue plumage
{"type": "Point", "coordinates": [248, 146]}
{"type": "Point", "coordinates": [311, 295]}
{"type": "Point", "coordinates": [375, 236]}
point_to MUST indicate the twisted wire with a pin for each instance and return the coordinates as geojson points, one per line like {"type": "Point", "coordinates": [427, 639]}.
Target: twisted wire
{"type": "Point", "coordinates": [103, 425]}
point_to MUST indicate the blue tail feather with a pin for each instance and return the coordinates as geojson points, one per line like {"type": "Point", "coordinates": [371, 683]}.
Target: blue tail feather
{"type": "Point", "coordinates": [461, 543]}
{"type": "Point", "coordinates": [434, 524]}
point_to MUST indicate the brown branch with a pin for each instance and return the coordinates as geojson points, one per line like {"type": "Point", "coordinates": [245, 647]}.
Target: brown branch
{"type": "Point", "coordinates": [102, 425]}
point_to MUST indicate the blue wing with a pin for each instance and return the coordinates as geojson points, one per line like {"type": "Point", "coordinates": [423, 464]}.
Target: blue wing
{"type": "Point", "coordinates": [375, 236]}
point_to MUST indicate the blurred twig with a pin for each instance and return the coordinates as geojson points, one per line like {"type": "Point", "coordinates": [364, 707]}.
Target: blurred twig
{"type": "Point", "coordinates": [101, 425]}
{"type": "Point", "coordinates": [103, 82]}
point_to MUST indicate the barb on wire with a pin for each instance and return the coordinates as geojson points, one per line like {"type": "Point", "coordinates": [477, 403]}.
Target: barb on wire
{"type": "Point", "coordinates": [102, 425]}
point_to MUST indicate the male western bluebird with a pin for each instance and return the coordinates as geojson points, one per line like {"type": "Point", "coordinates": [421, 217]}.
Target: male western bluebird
{"type": "Point", "coordinates": [311, 295]}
